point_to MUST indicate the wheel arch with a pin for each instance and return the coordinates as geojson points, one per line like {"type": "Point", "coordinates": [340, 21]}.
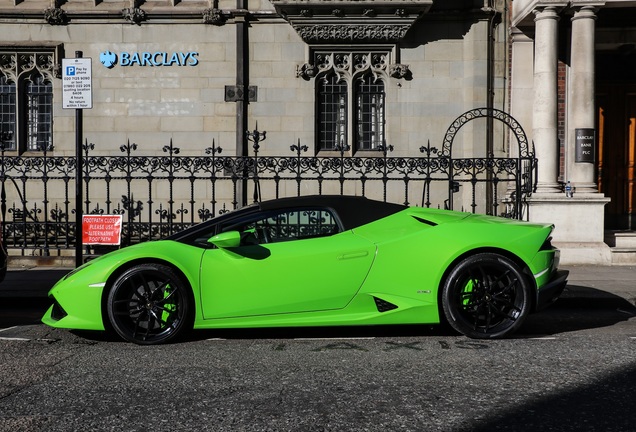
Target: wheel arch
{"type": "Point", "coordinates": [130, 264]}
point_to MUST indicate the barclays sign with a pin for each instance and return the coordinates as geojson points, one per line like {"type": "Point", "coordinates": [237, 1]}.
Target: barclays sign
{"type": "Point", "coordinates": [159, 58]}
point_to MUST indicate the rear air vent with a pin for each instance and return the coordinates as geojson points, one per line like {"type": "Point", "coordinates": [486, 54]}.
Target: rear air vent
{"type": "Point", "coordinates": [547, 244]}
{"type": "Point", "coordinates": [383, 306]}
{"type": "Point", "coordinates": [424, 221]}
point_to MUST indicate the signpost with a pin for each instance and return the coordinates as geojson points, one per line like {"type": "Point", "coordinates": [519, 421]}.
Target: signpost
{"type": "Point", "coordinates": [77, 93]}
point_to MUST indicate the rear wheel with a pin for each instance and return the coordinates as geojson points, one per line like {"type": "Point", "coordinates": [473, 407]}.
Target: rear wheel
{"type": "Point", "coordinates": [149, 304]}
{"type": "Point", "coordinates": [486, 296]}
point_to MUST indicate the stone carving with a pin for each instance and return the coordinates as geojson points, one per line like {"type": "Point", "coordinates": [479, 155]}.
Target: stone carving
{"type": "Point", "coordinates": [134, 14]}
{"type": "Point", "coordinates": [399, 71]}
{"type": "Point", "coordinates": [306, 71]}
{"type": "Point", "coordinates": [16, 64]}
{"type": "Point", "coordinates": [351, 32]}
{"type": "Point", "coordinates": [56, 16]}
{"type": "Point", "coordinates": [213, 16]}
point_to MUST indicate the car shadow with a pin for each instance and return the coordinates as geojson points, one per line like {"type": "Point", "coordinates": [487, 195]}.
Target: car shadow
{"type": "Point", "coordinates": [579, 308]}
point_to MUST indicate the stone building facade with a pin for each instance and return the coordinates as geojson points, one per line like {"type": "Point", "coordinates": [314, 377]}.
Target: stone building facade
{"type": "Point", "coordinates": [338, 78]}
{"type": "Point", "coordinates": [574, 61]}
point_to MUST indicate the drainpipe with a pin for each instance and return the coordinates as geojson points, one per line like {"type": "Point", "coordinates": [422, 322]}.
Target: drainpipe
{"type": "Point", "coordinates": [490, 94]}
{"type": "Point", "coordinates": [242, 82]}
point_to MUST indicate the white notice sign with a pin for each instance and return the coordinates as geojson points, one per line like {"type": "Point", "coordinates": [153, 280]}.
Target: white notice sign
{"type": "Point", "coordinates": [77, 83]}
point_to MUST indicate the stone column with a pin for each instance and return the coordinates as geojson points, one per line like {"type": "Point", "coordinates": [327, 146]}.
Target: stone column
{"type": "Point", "coordinates": [581, 96]}
{"type": "Point", "coordinates": [579, 220]}
{"type": "Point", "coordinates": [544, 122]}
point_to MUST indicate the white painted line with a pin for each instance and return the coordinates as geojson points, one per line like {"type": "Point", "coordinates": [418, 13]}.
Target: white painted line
{"type": "Point", "coordinates": [543, 338]}
{"type": "Point", "coordinates": [10, 328]}
{"type": "Point", "coordinates": [14, 339]}
{"type": "Point", "coordinates": [336, 339]}
{"type": "Point", "coordinates": [216, 339]}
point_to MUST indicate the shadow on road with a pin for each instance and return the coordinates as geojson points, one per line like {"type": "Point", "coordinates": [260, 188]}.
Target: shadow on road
{"type": "Point", "coordinates": [579, 308]}
{"type": "Point", "coordinates": [604, 405]}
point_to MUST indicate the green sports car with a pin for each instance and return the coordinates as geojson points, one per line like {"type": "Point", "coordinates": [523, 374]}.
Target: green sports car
{"type": "Point", "coordinates": [318, 261]}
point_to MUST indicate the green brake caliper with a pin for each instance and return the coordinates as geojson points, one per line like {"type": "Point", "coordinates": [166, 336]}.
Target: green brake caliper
{"type": "Point", "coordinates": [168, 307]}
{"type": "Point", "coordinates": [466, 291]}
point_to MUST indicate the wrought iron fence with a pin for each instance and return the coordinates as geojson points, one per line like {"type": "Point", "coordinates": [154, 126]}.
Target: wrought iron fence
{"type": "Point", "coordinates": [159, 195]}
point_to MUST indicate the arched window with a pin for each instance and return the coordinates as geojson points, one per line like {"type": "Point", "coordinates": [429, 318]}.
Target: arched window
{"type": "Point", "coordinates": [350, 100]}
{"type": "Point", "coordinates": [7, 113]}
{"type": "Point", "coordinates": [39, 119]}
{"type": "Point", "coordinates": [369, 108]}
{"type": "Point", "coordinates": [26, 98]}
{"type": "Point", "coordinates": [332, 112]}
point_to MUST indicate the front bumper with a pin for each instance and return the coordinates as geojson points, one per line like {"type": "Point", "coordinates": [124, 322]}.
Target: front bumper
{"type": "Point", "coordinates": [548, 293]}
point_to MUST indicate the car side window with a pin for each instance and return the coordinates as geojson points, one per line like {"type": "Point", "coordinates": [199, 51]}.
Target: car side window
{"type": "Point", "coordinates": [286, 225]}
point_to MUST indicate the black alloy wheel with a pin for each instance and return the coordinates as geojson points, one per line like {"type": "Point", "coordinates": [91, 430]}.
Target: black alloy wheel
{"type": "Point", "coordinates": [149, 304]}
{"type": "Point", "coordinates": [486, 296]}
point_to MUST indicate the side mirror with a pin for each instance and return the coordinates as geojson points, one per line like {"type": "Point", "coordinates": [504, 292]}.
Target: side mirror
{"type": "Point", "coordinates": [226, 240]}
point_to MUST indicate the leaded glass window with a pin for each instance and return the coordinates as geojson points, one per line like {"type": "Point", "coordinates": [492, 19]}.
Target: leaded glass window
{"type": "Point", "coordinates": [350, 100]}
{"type": "Point", "coordinates": [7, 113]}
{"type": "Point", "coordinates": [26, 97]}
{"type": "Point", "coordinates": [39, 107]}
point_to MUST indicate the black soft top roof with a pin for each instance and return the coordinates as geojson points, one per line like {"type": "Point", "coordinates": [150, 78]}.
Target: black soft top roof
{"type": "Point", "coordinates": [354, 211]}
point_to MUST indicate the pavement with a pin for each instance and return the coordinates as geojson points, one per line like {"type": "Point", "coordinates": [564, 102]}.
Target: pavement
{"type": "Point", "coordinates": [23, 293]}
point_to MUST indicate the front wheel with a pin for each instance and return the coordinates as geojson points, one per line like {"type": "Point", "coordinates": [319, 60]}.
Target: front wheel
{"type": "Point", "coordinates": [149, 304]}
{"type": "Point", "coordinates": [486, 296]}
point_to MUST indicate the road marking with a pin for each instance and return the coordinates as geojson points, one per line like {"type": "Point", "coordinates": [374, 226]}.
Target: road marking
{"type": "Point", "coordinates": [14, 339]}
{"type": "Point", "coordinates": [336, 339]}
{"type": "Point", "coordinates": [9, 328]}
{"type": "Point", "coordinates": [543, 338]}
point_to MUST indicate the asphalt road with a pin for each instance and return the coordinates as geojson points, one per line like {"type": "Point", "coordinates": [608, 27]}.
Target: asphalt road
{"type": "Point", "coordinates": [571, 367]}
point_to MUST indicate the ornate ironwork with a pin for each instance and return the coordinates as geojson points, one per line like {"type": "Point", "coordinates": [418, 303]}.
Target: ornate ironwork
{"type": "Point", "coordinates": [162, 194]}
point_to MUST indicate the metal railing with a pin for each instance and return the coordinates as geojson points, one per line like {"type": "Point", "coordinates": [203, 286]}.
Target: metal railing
{"type": "Point", "coordinates": [159, 195]}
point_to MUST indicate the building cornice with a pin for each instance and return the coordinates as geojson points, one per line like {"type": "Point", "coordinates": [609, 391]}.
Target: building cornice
{"type": "Point", "coordinates": [351, 21]}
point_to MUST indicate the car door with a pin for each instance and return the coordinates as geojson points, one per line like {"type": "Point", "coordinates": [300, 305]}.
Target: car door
{"type": "Point", "coordinates": [288, 262]}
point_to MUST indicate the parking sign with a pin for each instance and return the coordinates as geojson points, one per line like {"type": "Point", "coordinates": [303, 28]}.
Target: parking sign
{"type": "Point", "coordinates": [77, 83]}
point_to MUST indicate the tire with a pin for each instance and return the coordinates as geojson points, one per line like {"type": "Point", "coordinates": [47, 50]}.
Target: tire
{"type": "Point", "coordinates": [149, 304]}
{"type": "Point", "coordinates": [486, 296]}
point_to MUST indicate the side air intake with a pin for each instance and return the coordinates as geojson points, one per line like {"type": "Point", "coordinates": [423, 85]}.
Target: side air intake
{"type": "Point", "coordinates": [383, 306]}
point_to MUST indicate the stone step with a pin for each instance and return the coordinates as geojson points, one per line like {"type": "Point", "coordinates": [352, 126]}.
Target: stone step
{"type": "Point", "coordinates": [623, 256]}
{"type": "Point", "coordinates": [621, 239]}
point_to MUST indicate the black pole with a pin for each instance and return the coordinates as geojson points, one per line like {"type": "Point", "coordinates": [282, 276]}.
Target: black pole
{"type": "Point", "coordinates": [79, 179]}
{"type": "Point", "coordinates": [242, 82]}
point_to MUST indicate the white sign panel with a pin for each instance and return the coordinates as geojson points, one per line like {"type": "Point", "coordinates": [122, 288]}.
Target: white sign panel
{"type": "Point", "coordinates": [77, 83]}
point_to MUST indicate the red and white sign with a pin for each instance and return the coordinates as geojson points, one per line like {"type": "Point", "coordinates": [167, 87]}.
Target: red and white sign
{"type": "Point", "coordinates": [103, 230]}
